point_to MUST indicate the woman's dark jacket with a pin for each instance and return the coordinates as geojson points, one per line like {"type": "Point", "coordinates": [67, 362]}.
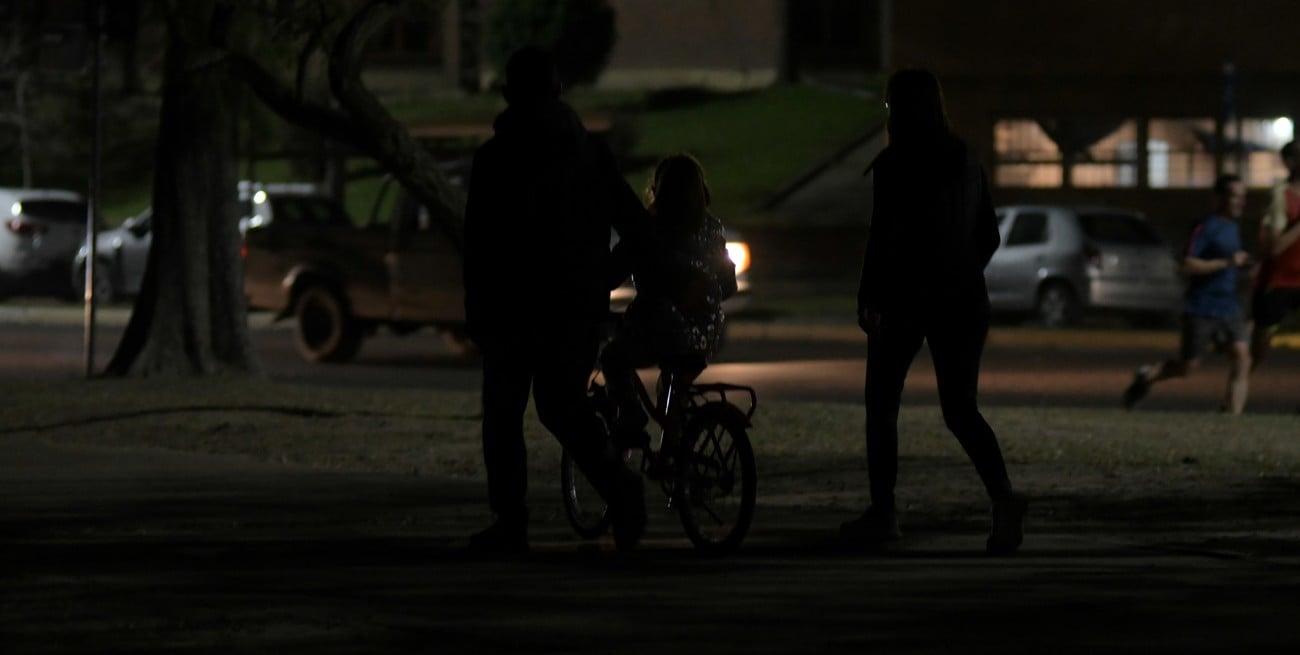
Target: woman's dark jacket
{"type": "Point", "coordinates": [933, 230]}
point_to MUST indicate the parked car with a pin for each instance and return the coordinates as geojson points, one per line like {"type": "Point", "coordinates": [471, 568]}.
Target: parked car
{"type": "Point", "coordinates": [41, 232]}
{"type": "Point", "coordinates": [122, 252]}
{"type": "Point", "coordinates": [1060, 262]}
{"type": "Point", "coordinates": [120, 257]}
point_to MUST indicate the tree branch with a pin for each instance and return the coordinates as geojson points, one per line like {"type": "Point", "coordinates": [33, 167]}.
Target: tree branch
{"type": "Point", "coordinates": [391, 143]}
{"type": "Point", "coordinates": [304, 55]}
{"type": "Point", "coordinates": [285, 102]}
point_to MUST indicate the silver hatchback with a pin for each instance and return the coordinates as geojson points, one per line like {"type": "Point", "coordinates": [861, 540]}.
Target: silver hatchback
{"type": "Point", "coordinates": [1060, 262]}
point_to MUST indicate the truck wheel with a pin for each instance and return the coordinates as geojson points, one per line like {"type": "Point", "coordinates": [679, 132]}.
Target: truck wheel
{"type": "Point", "coordinates": [325, 332]}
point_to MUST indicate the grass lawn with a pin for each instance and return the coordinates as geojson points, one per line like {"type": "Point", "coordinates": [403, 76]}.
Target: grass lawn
{"type": "Point", "coordinates": [752, 143]}
{"type": "Point", "coordinates": [807, 452]}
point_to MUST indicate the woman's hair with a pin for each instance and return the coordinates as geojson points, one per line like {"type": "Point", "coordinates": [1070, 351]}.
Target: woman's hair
{"type": "Point", "coordinates": [678, 194]}
{"type": "Point", "coordinates": [916, 108]}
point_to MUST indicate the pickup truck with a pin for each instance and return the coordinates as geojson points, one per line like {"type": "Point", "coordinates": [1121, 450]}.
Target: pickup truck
{"type": "Point", "coordinates": [305, 258]}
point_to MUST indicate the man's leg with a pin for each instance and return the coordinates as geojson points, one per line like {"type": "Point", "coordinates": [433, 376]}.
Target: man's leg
{"type": "Point", "coordinates": [1271, 308]}
{"type": "Point", "coordinates": [566, 358]}
{"type": "Point", "coordinates": [1196, 333]}
{"type": "Point", "coordinates": [506, 380]}
{"type": "Point", "coordinates": [1267, 311]}
{"type": "Point", "coordinates": [1261, 341]}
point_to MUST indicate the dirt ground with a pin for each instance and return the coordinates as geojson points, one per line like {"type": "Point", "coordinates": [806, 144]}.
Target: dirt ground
{"type": "Point", "coordinates": [250, 517]}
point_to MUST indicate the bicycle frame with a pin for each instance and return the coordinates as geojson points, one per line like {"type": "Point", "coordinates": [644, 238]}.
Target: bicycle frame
{"type": "Point", "coordinates": [679, 395]}
{"type": "Point", "coordinates": [704, 456]}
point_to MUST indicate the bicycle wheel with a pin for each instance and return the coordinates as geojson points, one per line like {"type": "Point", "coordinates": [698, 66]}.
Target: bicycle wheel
{"type": "Point", "coordinates": [584, 507]}
{"type": "Point", "coordinates": [716, 480]}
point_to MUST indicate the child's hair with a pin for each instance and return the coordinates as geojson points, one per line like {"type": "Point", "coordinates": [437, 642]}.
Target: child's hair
{"type": "Point", "coordinates": [678, 194]}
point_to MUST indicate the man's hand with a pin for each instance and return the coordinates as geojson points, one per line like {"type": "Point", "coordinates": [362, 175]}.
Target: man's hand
{"type": "Point", "coordinates": [1241, 259]}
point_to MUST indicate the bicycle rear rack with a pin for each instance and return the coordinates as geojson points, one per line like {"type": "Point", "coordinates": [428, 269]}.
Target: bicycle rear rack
{"type": "Point", "coordinates": [700, 393]}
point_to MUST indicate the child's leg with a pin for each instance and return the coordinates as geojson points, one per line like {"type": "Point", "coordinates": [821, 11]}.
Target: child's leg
{"type": "Point", "coordinates": [619, 363]}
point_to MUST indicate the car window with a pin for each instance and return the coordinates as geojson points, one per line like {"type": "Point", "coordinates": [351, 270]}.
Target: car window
{"type": "Point", "coordinates": [61, 211]}
{"type": "Point", "coordinates": [1028, 229]}
{"type": "Point", "coordinates": [1118, 228]}
{"type": "Point", "coordinates": [309, 211]}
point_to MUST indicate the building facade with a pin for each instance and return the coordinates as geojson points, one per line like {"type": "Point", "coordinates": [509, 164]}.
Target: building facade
{"type": "Point", "coordinates": [1137, 104]}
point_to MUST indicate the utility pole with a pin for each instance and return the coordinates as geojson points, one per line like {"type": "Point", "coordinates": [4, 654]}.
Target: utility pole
{"type": "Point", "coordinates": [92, 207]}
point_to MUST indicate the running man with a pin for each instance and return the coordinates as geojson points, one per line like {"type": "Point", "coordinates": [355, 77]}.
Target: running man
{"type": "Point", "coordinates": [1211, 313]}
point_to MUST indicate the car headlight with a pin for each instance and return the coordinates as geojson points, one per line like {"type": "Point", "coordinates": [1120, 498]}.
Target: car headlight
{"type": "Point", "coordinates": [738, 252]}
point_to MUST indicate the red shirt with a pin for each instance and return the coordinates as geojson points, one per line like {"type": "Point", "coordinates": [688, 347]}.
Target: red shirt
{"type": "Point", "coordinates": [1284, 269]}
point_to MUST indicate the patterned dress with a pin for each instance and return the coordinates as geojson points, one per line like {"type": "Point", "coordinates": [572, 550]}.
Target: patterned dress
{"type": "Point", "coordinates": [682, 314]}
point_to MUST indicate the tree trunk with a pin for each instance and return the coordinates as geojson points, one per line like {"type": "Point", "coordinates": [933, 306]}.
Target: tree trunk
{"type": "Point", "coordinates": [191, 317]}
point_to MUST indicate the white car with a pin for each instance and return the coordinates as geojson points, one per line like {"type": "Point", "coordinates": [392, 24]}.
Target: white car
{"type": "Point", "coordinates": [120, 257]}
{"type": "Point", "coordinates": [42, 229]}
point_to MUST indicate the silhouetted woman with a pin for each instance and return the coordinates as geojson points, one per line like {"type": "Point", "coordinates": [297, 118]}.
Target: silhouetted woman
{"type": "Point", "coordinates": [933, 230]}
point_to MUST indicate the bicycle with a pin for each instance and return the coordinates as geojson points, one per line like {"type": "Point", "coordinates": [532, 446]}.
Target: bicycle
{"type": "Point", "coordinates": [704, 461]}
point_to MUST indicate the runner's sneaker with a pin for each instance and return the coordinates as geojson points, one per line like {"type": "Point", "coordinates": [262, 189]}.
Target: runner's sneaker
{"type": "Point", "coordinates": [876, 526]}
{"type": "Point", "coordinates": [1138, 389]}
{"type": "Point", "coordinates": [1008, 525]}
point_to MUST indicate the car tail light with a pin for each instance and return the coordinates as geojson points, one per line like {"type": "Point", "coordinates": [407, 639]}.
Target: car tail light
{"type": "Point", "coordinates": [243, 248]}
{"type": "Point", "coordinates": [1092, 256]}
{"type": "Point", "coordinates": [22, 228]}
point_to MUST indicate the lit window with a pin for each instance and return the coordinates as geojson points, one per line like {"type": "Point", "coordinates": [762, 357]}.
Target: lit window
{"type": "Point", "coordinates": [1026, 156]}
{"type": "Point", "coordinates": [1254, 156]}
{"type": "Point", "coordinates": [1111, 161]}
{"type": "Point", "coordinates": [1179, 154]}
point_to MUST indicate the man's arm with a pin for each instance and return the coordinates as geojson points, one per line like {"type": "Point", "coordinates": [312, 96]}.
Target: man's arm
{"type": "Point", "coordinates": [1196, 266]}
{"type": "Point", "coordinates": [642, 252]}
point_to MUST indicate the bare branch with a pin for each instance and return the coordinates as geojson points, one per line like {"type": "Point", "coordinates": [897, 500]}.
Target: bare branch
{"type": "Point", "coordinates": [283, 101]}
{"type": "Point", "coordinates": [392, 144]}
{"type": "Point", "coordinates": [314, 41]}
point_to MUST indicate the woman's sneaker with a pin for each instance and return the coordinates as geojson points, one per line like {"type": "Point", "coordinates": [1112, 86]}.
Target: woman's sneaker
{"type": "Point", "coordinates": [876, 526]}
{"type": "Point", "coordinates": [1008, 525]}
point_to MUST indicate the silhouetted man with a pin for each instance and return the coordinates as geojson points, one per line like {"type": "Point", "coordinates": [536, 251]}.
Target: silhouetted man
{"type": "Point", "coordinates": [543, 195]}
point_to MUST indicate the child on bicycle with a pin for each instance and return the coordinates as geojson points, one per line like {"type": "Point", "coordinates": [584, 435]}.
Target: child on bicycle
{"type": "Point", "coordinates": [676, 318]}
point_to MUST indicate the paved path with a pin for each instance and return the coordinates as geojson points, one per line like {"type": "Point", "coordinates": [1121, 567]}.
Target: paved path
{"type": "Point", "coordinates": [109, 551]}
